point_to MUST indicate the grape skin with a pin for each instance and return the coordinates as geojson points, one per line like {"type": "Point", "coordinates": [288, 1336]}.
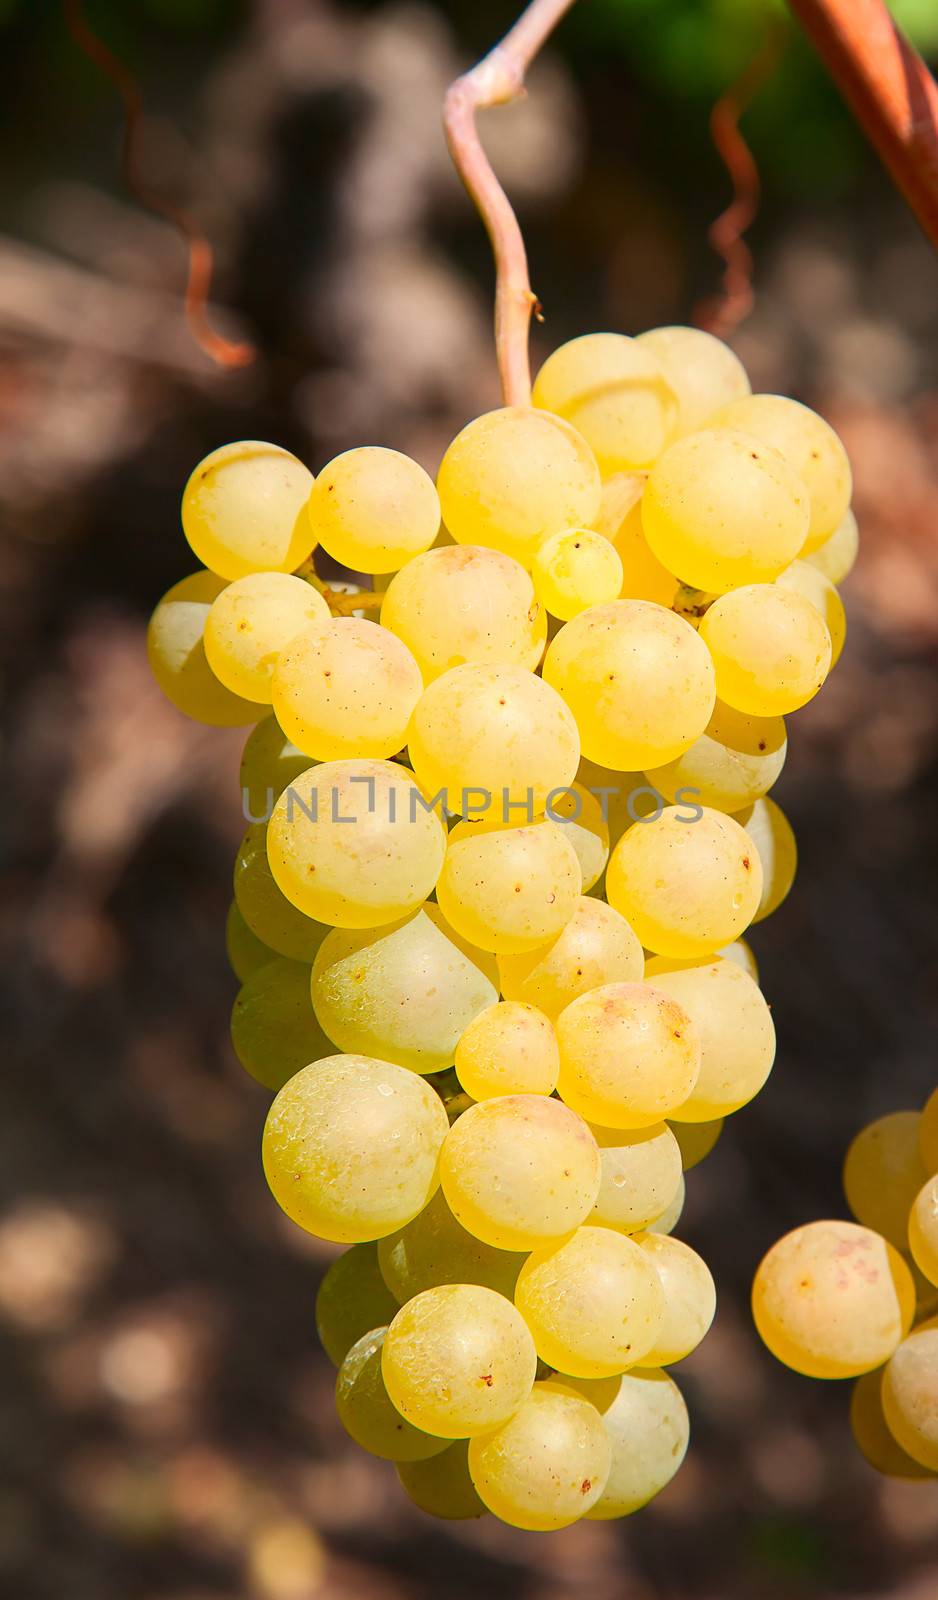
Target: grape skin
{"type": "Point", "coordinates": [251, 621]}
{"type": "Point", "coordinates": [274, 1030]}
{"type": "Point", "coordinates": [176, 654]}
{"type": "Point", "coordinates": [548, 1465]}
{"type": "Point", "coordinates": [648, 1428]}
{"type": "Point", "coordinates": [615, 391]}
{"type": "Point", "coordinates": [594, 1303]}
{"type": "Point", "coordinates": [352, 1299]}
{"type": "Point", "coordinates": [373, 509]}
{"type": "Point", "coordinates": [596, 946]}
{"type": "Point", "coordinates": [366, 1411]}
{"type": "Point", "coordinates": [244, 510]}
{"type": "Point", "coordinates": [463, 603]}
{"type": "Point", "coordinates": [771, 649]}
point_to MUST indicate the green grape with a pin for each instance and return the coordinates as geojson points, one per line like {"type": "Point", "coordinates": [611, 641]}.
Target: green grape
{"type": "Point", "coordinates": [274, 1030]}
{"type": "Point", "coordinates": [704, 373]}
{"type": "Point", "coordinates": [804, 579]}
{"type": "Point", "coordinates": [510, 1048]}
{"type": "Point", "coordinates": [269, 764]}
{"type": "Point", "coordinates": [832, 1300]}
{"type": "Point", "coordinates": [373, 509]}
{"type": "Point", "coordinates": [353, 1298]}
{"type": "Point", "coordinates": [910, 1394]}
{"type": "Point", "coordinates": [735, 1028]}
{"type": "Point", "coordinates": [883, 1173]}
{"type": "Point", "coordinates": [593, 1302]}
{"type": "Point", "coordinates": [244, 510]}
{"type": "Point", "coordinates": [615, 391]}
{"type": "Point", "coordinates": [352, 843]}
{"type": "Point", "coordinates": [735, 761]}
{"type": "Point", "coordinates": [809, 445]}
{"type": "Point", "coordinates": [351, 1147]}
{"type": "Point", "coordinates": [251, 622]}
{"type": "Point", "coordinates": [648, 1428]}
{"type": "Point", "coordinates": [928, 1133]}
{"type": "Point", "coordinates": [435, 1249]}
{"type": "Point", "coordinates": [444, 1489]}
{"type": "Point", "coordinates": [495, 731]}
{"type": "Point", "coordinates": [741, 952]}
{"type": "Point", "coordinates": [404, 992]}
{"type": "Point", "coordinates": [696, 1140]}
{"type": "Point", "coordinates": [620, 521]}
{"type": "Point", "coordinates": [365, 1410]}
{"type": "Point", "coordinates": [671, 1216]}
{"type": "Point", "coordinates": [596, 947]}
{"type": "Point", "coordinates": [520, 1171]}
{"type": "Point", "coordinates": [462, 603]}
{"type": "Point", "coordinates": [245, 951]}
{"type": "Point", "coordinates": [176, 653]}
{"type": "Point", "coordinates": [772, 834]}
{"type": "Point", "coordinates": [346, 689]}
{"type": "Point", "coordinates": [458, 1360]}
{"type": "Point", "coordinates": [638, 680]}
{"type": "Point", "coordinates": [581, 815]}
{"type": "Point", "coordinates": [641, 1175]}
{"type": "Point", "coordinates": [686, 888]}
{"type": "Point", "coordinates": [575, 569]}
{"type": "Point", "coordinates": [836, 556]}
{"type": "Point", "coordinates": [265, 908]}
{"type": "Point", "coordinates": [721, 509]}
{"type": "Point", "coordinates": [771, 649]}
{"type": "Point", "coordinates": [923, 1230]}
{"type": "Point", "coordinates": [871, 1433]}
{"type": "Point", "coordinates": [513, 477]}
{"type": "Point", "coordinates": [548, 1465]}
{"type": "Point", "coordinates": [690, 1298]}
{"type": "Point", "coordinates": [629, 1055]}
{"type": "Point", "coordinates": [509, 889]}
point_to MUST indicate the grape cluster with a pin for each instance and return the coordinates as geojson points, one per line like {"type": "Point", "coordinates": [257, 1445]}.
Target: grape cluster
{"type": "Point", "coordinates": [860, 1299]}
{"type": "Point", "coordinates": [488, 918]}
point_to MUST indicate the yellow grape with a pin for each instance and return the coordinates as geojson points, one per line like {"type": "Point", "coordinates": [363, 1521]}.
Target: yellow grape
{"type": "Point", "coordinates": [251, 622]}
{"type": "Point", "coordinates": [773, 836]}
{"type": "Point", "coordinates": [353, 1298]}
{"type": "Point", "coordinates": [809, 445]}
{"type": "Point", "coordinates": [513, 477]}
{"type": "Point", "coordinates": [462, 603]}
{"type": "Point", "coordinates": [871, 1432]}
{"type": "Point", "coordinates": [771, 649]}
{"type": "Point", "coordinates": [351, 843]}
{"type": "Point", "coordinates": [435, 1249]}
{"type": "Point", "coordinates": [510, 1048]}
{"type": "Point", "coordinates": [741, 952]}
{"type": "Point", "coordinates": [690, 1298]}
{"type": "Point", "coordinates": [735, 1028]}
{"type": "Point", "coordinates": [492, 736]}
{"type": "Point", "coordinates": [620, 521]}
{"type": "Point", "coordinates": [703, 371]}
{"type": "Point", "coordinates": [244, 509]}
{"type": "Point", "coordinates": [804, 579]}
{"type": "Point", "coordinates": [458, 1360]}
{"type": "Point", "coordinates": [836, 556]}
{"type": "Point", "coordinates": [373, 509]}
{"type": "Point", "coordinates": [346, 689]}
{"type": "Point", "coordinates": [509, 889]}
{"type": "Point", "coordinates": [624, 797]}
{"type": "Point", "coordinates": [685, 887]}
{"type": "Point", "coordinates": [404, 992]}
{"type": "Point", "coordinates": [576, 569]}
{"type": "Point", "coordinates": [614, 390]}
{"type": "Point", "coordinates": [832, 1300]}
{"type": "Point", "coordinates": [641, 1175]}
{"type": "Point", "coordinates": [269, 764]}
{"type": "Point", "coordinates": [883, 1173]}
{"type": "Point", "coordinates": [366, 1412]}
{"type": "Point", "coordinates": [520, 1171]}
{"type": "Point", "coordinates": [696, 1140]}
{"type": "Point", "coordinates": [351, 1147]}
{"type": "Point", "coordinates": [580, 813]}
{"type": "Point", "coordinates": [721, 509]}
{"type": "Point", "coordinates": [548, 1465]}
{"type": "Point", "coordinates": [596, 946]}
{"type": "Point", "coordinates": [638, 680]}
{"type": "Point", "coordinates": [648, 1428]}
{"type": "Point", "coordinates": [629, 1055]}
{"type": "Point", "coordinates": [265, 908]}
{"type": "Point", "coordinates": [245, 951]}
{"type": "Point", "coordinates": [928, 1133]}
{"type": "Point", "coordinates": [176, 653]}
{"type": "Point", "coordinates": [593, 1302]}
{"type": "Point", "coordinates": [923, 1230]}
{"type": "Point", "coordinates": [442, 1486]}
{"type": "Point", "coordinates": [274, 1030]}
{"type": "Point", "coordinates": [735, 761]}
{"type": "Point", "coordinates": [670, 1218]}
{"type": "Point", "coordinates": [910, 1395]}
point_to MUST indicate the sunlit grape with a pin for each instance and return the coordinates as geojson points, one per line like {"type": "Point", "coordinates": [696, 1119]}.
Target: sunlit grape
{"type": "Point", "coordinates": [686, 887]}
{"type": "Point", "coordinates": [690, 1298]}
{"type": "Point", "coordinates": [615, 391]}
{"type": "Point", "coordinates": [836, 556]}
{"type": "Point", "coordinates": [548, 1465]}
{"type": "Point", "coordinates": [176, 653]}
{"type": "Point", "coordinates": [809, 445]}
{"type": "Point", "coordinates": [346, 689]}
{"type": "Point", "coordinates": [771, 649]}
{"type": "Point", "coordinates": [703, 371]}
{"type": "Point", "coordinates": [509, 889]}
{"type": "Point", "coordinates": [576, 569]}
{"type": "Point", "coordinates": [804, 579]}
{"type": "Point", "coordinates": [366, 1412]}
{"type": "Point", "coordinates": [373, 509]}
{"type": "Point", "coordinates": [735, 761]}
{"type": "Point", "coordinates": [580, 814]}
{"type": "Point", "coordinates": [910, 1394]}
{"type": "Point", "coordinates": [251, 622]}
{"type": "Point", "coordinates": [735, 1028]}
{"type": "Point", "coordinates": [244, 509]}
{"type": "Point", "coordinates": [774, 838]}
{"type": "Point", "coordinates": [593, 1302]}
{"type": "Point", "coordinates": [510, 1048]}
{"type": "Point", "coordinates": [462, 603]}
{"type": "Point", "coordinates": [923, 1230]}
{"type": "Point", "coordinates": [647, 1425]}
{"type": "Point", "coordinates": [596, 946]}
{"type": "Point", "coordinates": [641, 1175]}
{"type": "Point", "coordinates": [629, 1055]}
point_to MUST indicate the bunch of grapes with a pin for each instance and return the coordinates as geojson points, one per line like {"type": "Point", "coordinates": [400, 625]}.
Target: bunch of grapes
{"type": "Point", "coordinates": [860, 1299]}
{"type": "Point", "coordinates": [488, 916]}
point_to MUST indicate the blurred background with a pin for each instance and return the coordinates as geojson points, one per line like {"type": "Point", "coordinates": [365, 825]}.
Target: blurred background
{"type": "Point", "coordinates": [167, 1428]}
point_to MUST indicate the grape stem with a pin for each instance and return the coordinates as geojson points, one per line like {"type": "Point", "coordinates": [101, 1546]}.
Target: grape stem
{"type": "Point", "coordinates": [494, 81]}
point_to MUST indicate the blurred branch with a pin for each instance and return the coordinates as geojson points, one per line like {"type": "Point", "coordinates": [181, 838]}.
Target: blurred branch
{"type": "Point", "coordinates": [889, 89]}
{"type": "Point", "coordinates": [496, 79]}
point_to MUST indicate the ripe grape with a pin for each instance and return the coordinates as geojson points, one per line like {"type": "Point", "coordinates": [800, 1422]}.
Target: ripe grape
{"type": "Point", "coordinates": [265, 908]}
{"type": "Point", "coordinates": [614, 390]}
{"type": "Point", "coordinates": [773, 836]}
{"type": "Point", "coordinates": [771, 649]}
{"type": "Point", "coordinates": [809, 445]}
{"type": "Point", "coordinates": [176, 653]}
{"type": "Point", "coordinates": [696, 1140]}
{"type": "Point", "coordinates": [464, 603]}
{"type": "Point", "coordinates": [596, 947]}
{"type": "Point", "coordinates": [690, 1298]}
{"type": "Point", "coordinates": [883, 1173]}
{"type": "Point", "coordinates": [735, 761]}
{"type": "Point", "coordinates": [274, 1030]}
{"type": "Point", "coordinates": [269, 764]}
{"type": "Point", "coordinates": [648, 1428]}
{"type": "Point", "coordinates": [629, 1055]}
{"type": "Point", "coordinates": [620, 521]}
{"type": "Point", "coordinates": [871, 1432]}
{"type": "Point", "coordinates": [548, 1465]}
{"type": "Point", "coordinates": [836, 556]}
{"type": "Point", "coordinates": [373, 509]}
{"type": "Point", "coordinates": [593, 1302]}
{"type": "Point", "coordinates": [244, 510]}
{"type": "Point", "coordinates": [353, 1298]}
{"type": "Point", "coordinates": [245, 951]}
{"type": "Point", "coordinates": [251, 622]}
{"type": "Point", "coordinates": [510, 1048]}
{"type": "Point", "coordinates": [520, 1171]}
{"type": "Point", "coordinates": [458, 1360]}
{"type": "Point", "coordinates": [735, 1028]}
{"type": "Point", "coordinates": [580, 814]}
{"type": "Point", "coordinates": [641, 1175]}
{"type": "Point", "coordinates": [509, 889]}
{"type": "Point", "coordinates": [670, 1217]}
{"type": "Point", "coordinates": [434, 1249]}
{"type": "Point", "coordinates": [443, 1488]}
{"type": "Point", "coordinates": [910, 1394]}
{"type": "Point", "coordinates": [346, 689]}
{"type": "Point", "coordinates": [351, 1147]}
{"type": "Point", "coordinates": [367, 1414]}
{"type": "Point", "coordinates": [576, 569]}
{"type": "Point", "coordinates": [741, 952]}
{"type": "Point", "coordinates": [923, 1230]}
{"type": "Point", "coordinates": [804, 579]}
{"type": "Point", "coordinates": [704, 373]}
